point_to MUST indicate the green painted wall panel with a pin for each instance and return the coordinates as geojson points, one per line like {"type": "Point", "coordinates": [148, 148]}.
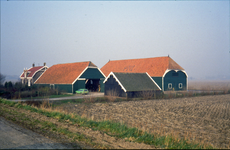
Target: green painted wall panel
{"type": "Point", "coordinates": [80, 84]}
{"type": "Point", "coordinates": [92, 73]}
{"type": "Point", "coordinates": [64, 87]}
{"type": "Point", "coordinates": [61, 87]}
{"type": "Point", "coordinates": [158, 80]}
{"type": "Point", "coordinates": [175, 78]}
{"type": "Point", "coordinates": [102, 85]}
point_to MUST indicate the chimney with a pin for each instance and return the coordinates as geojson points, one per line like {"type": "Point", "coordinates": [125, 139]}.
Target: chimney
{"type": "Point", "coordinates": [25, 73]}
{"type": "Point", "coordinates": [33, 65]}
{"type": "Point", "coordinates": [44, 64]}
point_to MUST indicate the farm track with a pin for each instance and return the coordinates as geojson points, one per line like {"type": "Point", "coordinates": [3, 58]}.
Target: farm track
{"type": "Point", "coordinates": [204, 119]}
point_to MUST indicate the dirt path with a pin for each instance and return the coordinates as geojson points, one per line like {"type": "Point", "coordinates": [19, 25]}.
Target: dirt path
{"type": "Point", "coordinates": [13, 136]}
{"type": "Point", "coordinates": [75, 96]}
{"type": "Point", "coordinates": [203, 119]}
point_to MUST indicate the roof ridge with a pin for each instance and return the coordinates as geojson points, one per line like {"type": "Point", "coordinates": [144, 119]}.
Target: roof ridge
{"type": "Point", "coordinates": [140, 58]}
{"type": "Point", "coordinates": [72, 63]}
{"type": "Point", "coordinates": [131, 72]}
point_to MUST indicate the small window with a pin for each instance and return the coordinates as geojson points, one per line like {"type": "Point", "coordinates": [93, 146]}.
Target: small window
{"type": "Point", "coordinates": [175, 74]}
{"type": "Point", "coordinates": [180, 85]}
{"type": "Point", "coordinates": [170, 86]}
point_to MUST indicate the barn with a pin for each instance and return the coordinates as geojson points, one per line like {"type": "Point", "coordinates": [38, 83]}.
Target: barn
{"type": "Point", "coordinates": [70, 77]}
{"type": "Point", "coordinates": [129, 84]}
{"type": "Point", "coordinates": [164, 71]}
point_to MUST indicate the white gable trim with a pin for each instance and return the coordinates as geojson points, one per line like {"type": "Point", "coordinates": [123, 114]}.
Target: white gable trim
{"type": "Point", "coordinates": [111, 73]}
{"type": "Point", "coordinates": [175, 71]}
{"type": "Point", "coordinates": [78, 78]}
{"type": "Point", "coordinates": [101, 72]}
{"type": "Point", "coordinates": [41, 74]}
{"type": "Point", "coordinates": [92, 67]}
{"type": "Point", "coordinates": [166, 72]}
{"type": "Point", "coordinates": [153, 80]}
{"type": "Point", "coordinates": [80, 74]}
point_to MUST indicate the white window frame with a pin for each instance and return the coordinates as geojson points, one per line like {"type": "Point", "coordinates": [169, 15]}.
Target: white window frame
{"type": "Point", "coordinates": [169, 85]}
{"type": "Point", "coordinates": [180, 85]}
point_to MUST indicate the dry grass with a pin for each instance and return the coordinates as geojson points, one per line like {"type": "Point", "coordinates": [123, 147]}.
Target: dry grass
{"type": "Point", "coordinates": [112, 95]}
{"type": "Point", "coordinates": [147, 94]}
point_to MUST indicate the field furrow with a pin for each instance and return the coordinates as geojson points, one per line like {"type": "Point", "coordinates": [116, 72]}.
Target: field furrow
{"type": "Point", "coordinates": [204, 119]}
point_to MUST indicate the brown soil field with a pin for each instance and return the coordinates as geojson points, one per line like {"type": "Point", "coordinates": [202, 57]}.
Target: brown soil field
{"type": "Point", "coordinates": [205, 119]}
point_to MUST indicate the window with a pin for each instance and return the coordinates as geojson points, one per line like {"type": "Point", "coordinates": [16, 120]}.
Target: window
{"type": "Point", "coordinates": [180, 85]}
{"type": "Point", "coordinates": [170, 86]}
{"type": "Point", "coordinates": [175, 74]}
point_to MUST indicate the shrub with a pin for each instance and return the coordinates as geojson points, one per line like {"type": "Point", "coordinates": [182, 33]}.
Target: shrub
{"type": "Point", "coordinates": [147, 94]}
{"type": "Point", "coordinates": [112, 95]}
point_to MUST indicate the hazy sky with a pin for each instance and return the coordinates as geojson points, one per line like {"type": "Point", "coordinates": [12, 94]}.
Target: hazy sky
{"type": "Point", "coordinates": [194, 33]}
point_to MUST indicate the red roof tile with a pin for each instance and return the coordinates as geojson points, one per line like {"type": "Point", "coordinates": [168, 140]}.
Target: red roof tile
{"type": "Point", "coordinates": [32, 71]}
{"type": "Point", "coordinates": [63, 73]}
{"type": "Point", "coordinates": [155, 67]}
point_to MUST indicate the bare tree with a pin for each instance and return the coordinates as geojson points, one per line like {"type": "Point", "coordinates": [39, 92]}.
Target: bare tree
{"type": "Point", "coordinates": [2, 79]}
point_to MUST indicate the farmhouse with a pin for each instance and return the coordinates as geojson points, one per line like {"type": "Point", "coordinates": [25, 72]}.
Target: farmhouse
{"type": "Point", "coordinates": [29, 76]}
{"type": "Point", "coordinates": [163, 70]}
{"type": "Point", "coordinates": [129, 84]}
{"type": "Point", "coordinates": [70, 77]}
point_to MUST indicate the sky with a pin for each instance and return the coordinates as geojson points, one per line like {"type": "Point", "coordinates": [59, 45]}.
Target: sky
{"type": "Point", "coordinates": [195, 34]}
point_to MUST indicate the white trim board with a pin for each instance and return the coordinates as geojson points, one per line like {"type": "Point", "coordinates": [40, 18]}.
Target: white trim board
{"type": "Point", "coordinates": [153, 81]}
{"type": "Point", "coordinates": [111, 73]}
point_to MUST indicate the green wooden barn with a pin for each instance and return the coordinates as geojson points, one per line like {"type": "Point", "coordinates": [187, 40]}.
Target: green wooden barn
{"type": "Point", "coordinates": [130, 85]}
{"type": "Point", "coordinates": [164, 71]}
{"type": "Point", "coordinates": [70, 77]}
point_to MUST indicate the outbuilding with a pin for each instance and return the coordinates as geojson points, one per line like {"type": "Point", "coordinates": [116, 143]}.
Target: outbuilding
{"type": "Point", "coordinates": [70, 77]}
{"type": "Point", "coordinates": [129, 84]}
{"type": "Point", "coordinates": [163, 70]}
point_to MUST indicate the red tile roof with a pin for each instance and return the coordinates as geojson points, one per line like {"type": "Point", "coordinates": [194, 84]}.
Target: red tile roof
{"type": "Point", "coordinates": [63, 73]}
{"type": "Point", "coordinates": [155, 67]}
{"type": "Point", "coordinates": [32, 71]}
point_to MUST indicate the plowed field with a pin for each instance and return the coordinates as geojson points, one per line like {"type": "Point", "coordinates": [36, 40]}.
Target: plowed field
{"type": "Point", "coordinates": [205, 119]}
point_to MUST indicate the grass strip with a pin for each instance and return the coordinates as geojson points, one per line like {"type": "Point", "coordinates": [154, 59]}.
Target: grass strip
{"type": "Point", "coordinates": [118, 130]}
{"type": "Point", "coordinates": [46, 127]}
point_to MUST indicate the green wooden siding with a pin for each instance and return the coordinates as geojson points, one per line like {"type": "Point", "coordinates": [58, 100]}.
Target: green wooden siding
{"type": "Point", "coordinates": [79, 84]}
{"type": "Point", "coordinates": [158, 80]}
{"type": "Point", "coordinates": [102, 85]}
{"type": "Point", "coordinates": [61, 87]}
{"type": "Point", "coordinates": [92, 73]}
{"type": "Point", "coordinates": [175, 79]}
{"type": "Point", "coordinates": [64, 87]}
